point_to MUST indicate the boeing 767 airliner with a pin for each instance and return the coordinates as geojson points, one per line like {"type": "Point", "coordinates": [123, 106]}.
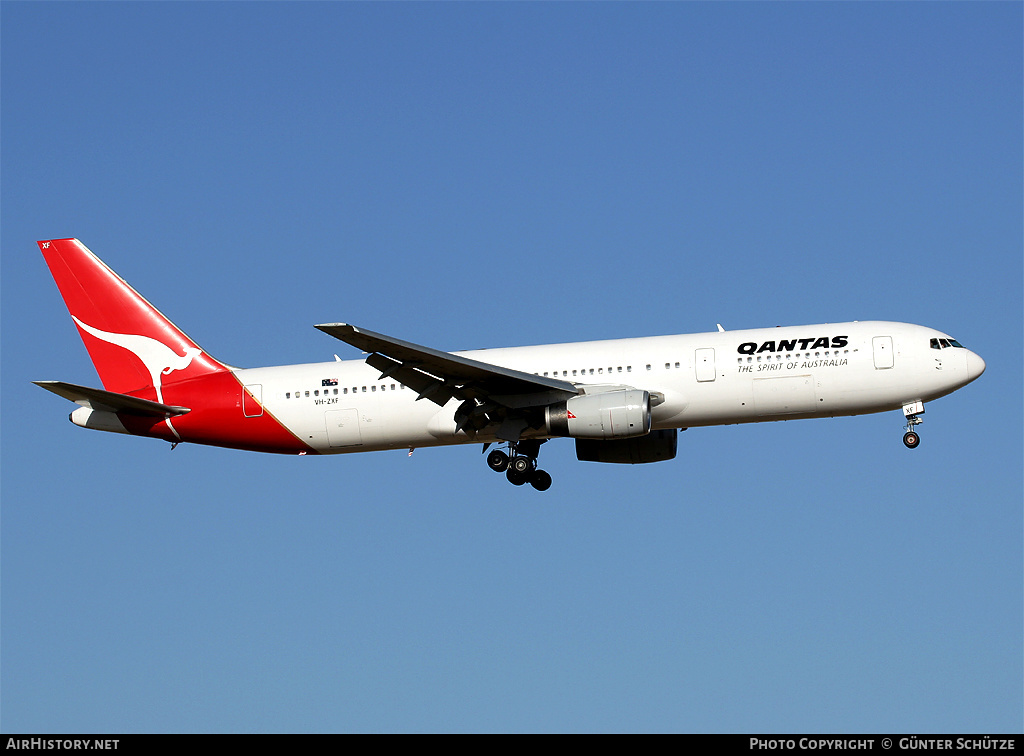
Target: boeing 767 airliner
{"type": "Point", "coordinates": [621, 401]}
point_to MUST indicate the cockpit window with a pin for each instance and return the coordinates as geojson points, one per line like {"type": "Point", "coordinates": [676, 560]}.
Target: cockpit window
{"type": "Point", "coordinates": [944, 343]}
{"type": "Point", "coordinates": [954, 342]}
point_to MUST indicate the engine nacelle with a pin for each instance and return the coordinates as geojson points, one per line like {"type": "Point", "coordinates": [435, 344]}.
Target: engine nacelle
{"type": "Point", "coordinates": [656, 446]}
{"type": "Point", "coordinates": [613, 414]}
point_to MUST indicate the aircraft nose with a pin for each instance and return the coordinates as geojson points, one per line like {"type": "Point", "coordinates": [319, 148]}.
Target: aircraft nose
{"type": "Point", "coordinates": [975, 365]}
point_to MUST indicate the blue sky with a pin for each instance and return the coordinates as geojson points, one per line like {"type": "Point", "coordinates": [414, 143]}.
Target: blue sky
{"type": "Point", "coordinates": [471, 175]}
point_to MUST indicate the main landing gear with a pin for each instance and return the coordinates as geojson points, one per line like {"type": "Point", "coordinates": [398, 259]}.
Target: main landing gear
{"type": "Point", "coordinates": [911, 439]}
{"type": "Point", "coordinates": [520, 465]}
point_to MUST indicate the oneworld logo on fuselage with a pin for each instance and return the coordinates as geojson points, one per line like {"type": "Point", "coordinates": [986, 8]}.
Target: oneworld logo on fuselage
{"type": "Point", "coordinates": [794, 345]}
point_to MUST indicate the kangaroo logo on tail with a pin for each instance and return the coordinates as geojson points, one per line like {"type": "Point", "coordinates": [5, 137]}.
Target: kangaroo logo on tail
{"type": "Point", "coordinates": [158, 358]}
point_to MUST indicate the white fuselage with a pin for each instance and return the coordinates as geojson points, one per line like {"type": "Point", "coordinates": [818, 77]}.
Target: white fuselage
{"type": "Point", "coordinates": [714, 378]}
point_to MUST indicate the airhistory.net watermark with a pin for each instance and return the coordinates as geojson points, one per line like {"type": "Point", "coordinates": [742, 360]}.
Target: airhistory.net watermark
{"type": "Point", "coordinates": [61, 744]}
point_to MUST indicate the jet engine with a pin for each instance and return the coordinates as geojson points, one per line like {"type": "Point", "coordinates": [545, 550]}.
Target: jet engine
{"type": "Point", "coordinates": [612, 414]}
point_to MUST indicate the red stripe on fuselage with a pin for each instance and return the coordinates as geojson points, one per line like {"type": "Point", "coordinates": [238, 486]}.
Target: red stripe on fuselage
{"type": "Point", "coordinates": [217, 418]}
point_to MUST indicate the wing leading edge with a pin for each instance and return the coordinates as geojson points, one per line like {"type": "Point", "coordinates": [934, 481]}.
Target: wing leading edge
{"type": "Point", "coordinates": [456, 375]}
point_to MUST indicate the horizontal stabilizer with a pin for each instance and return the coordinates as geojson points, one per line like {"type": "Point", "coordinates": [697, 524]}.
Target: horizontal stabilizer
{"type": "Point", "coordinates": [108, 401]}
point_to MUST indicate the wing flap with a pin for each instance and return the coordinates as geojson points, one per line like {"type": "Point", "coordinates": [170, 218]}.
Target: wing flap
{"type": "Point", "coordinates": [109, 401]}
{"type": "Point", "coordinates": [426, 386]}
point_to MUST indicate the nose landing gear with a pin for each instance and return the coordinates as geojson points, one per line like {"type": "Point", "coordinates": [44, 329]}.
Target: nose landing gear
{"type": "Point", "coordinates": [521, 467]}
{"type": "Point", "coordinates": [911, 410]}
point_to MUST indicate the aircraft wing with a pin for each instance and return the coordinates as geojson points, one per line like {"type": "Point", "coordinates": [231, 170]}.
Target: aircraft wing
{"type": "Point", "coordinates": [109, 401]}
{"type": "Point", "coordinates": [456, 375]}
{"type": "Point", "coordinates": [490, 393]}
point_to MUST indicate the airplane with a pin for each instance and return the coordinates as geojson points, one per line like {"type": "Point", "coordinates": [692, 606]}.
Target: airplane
{"type": "Point", "coordinates": [622, 401]}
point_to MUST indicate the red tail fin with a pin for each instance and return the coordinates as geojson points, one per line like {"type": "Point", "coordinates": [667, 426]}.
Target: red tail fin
{"type": "Point", "coordinates": [132, 345]}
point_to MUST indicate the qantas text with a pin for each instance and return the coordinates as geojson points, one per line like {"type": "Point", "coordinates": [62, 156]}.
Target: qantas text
{"type": "Point", "coordinates": [791, 345]}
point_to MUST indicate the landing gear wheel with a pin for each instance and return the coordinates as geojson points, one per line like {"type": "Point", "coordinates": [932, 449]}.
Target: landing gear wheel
{"type": "Point", "coordinates": [912, 411]}
{"type": "Point", "coordinates": [497, 461]}
{"type": "Point", "coordinates": [523, 465]}
{"type": "Point", "coordinates": [520, 464]}
{"type": "Point", "coordinates": [517, 477]}
{"type": "Point", "coordinates": [540, 480]}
